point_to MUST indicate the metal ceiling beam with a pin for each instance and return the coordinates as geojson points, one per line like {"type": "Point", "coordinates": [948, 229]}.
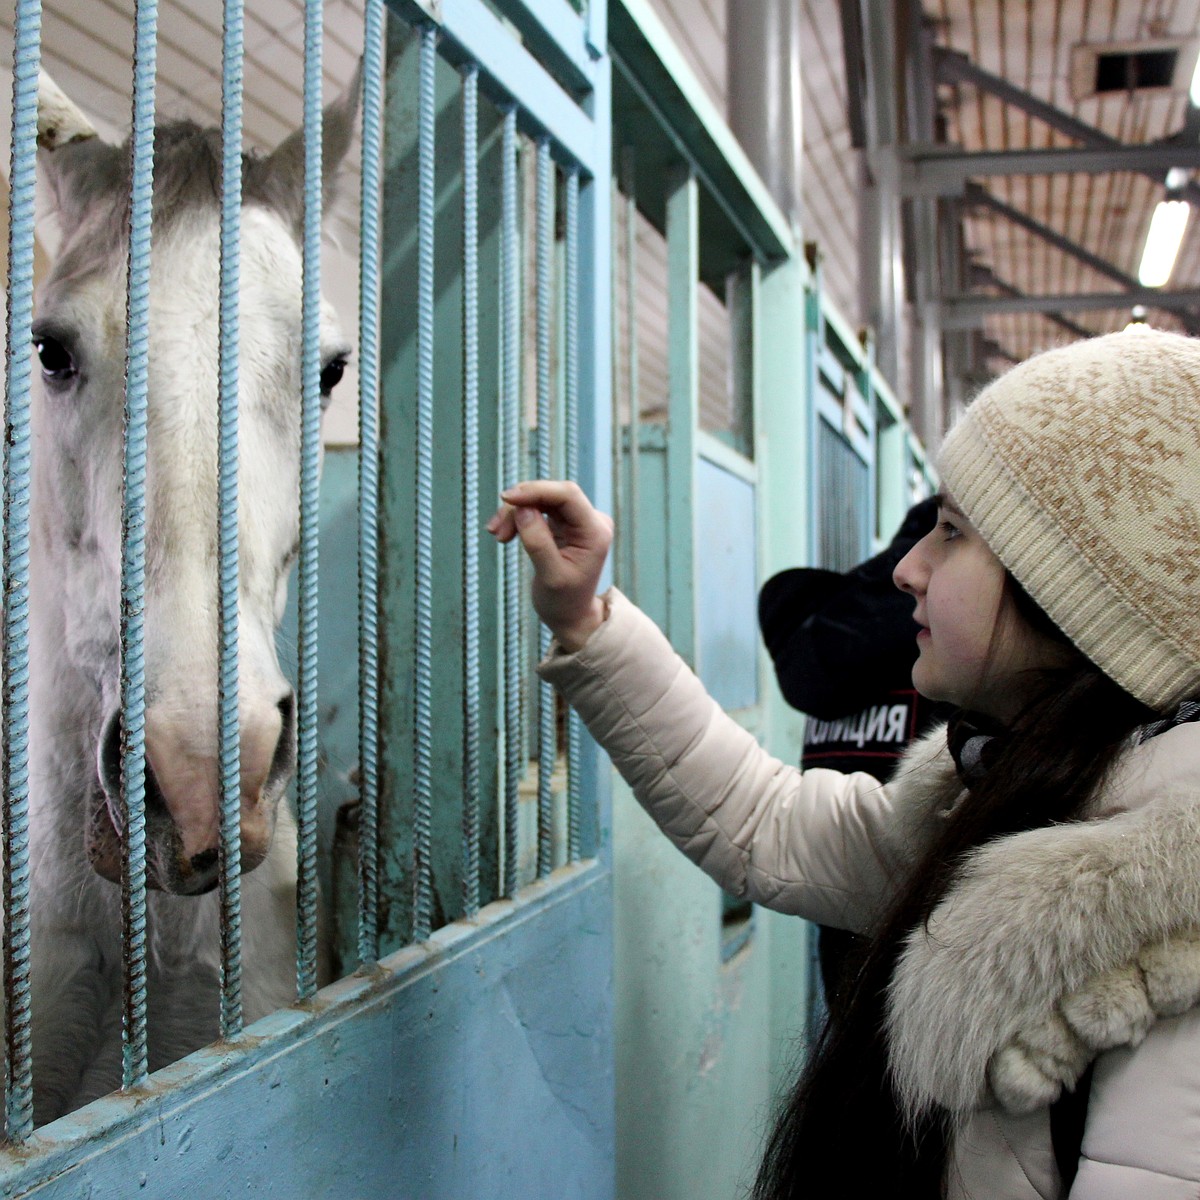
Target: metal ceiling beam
{"type": "Point", "coordinates": [953, 66]}
{"type": "Point", "coordinates": [967, 312]}
{"type": "Point", "coordinates": [933, 173]}
{"type": "Point", "coordinates": [979, 196]}
{"type": "Point", "coordinates": [986, 277]}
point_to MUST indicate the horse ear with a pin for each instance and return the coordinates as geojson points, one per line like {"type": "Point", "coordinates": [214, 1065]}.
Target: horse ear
{"type": "Point", "coordinates": [279, 178]}
{"type": "Point", "coordinates": [78, 163]}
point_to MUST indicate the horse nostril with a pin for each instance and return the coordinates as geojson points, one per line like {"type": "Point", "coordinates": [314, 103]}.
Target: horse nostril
{"type": "Point", "coordinates": [110, 755]}
{"type": "Point", "coordinates": [283, 761]}
{"type": "Point", "coordinates": [204, 861]}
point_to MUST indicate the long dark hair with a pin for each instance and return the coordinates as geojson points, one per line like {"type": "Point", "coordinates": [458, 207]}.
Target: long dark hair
{"type": "Point", "coordinates": [841, 1132]}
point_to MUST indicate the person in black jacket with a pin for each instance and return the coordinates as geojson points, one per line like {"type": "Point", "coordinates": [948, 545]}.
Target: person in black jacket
{"type": "Point", "coordinates": [843, 645]}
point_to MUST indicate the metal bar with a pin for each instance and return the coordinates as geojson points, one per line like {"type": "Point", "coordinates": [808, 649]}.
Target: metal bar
{"type": "Point", "coordinates": [616, 452]}
{"type": "Point", "coordinates": [989, 278]}
{"type": "Point", "coordinates": [510, 299]}
{"type": "Point", "coordinates": [634, 384]}
{"type": "Point", "coordinates": [929, 174]}
{"type": "Point", "coordinates": [423, 675]}
{"type": "Point", "coordinates": [954, 67]}
{"type": "Point", "coordinates": [683, 276]}
{"type": "Point", "coordinates": [510, 73]}
{"type": "Point", "coordinates": [368, 484]}
{"type": "Point", "coordinates": [595, 386]}
{"type": "Point", "coordinates": [470, 492]}
{"type": "Point", "coordinates": [966, 312]}
{"type": "Point", "coordinates": [571, 455]}
{"type": "Point", "coordinates": [18, 1080]}
{"type": "Point", "coordinates": [227, 487]}
{"type": "Point", "coordinates": [544, 332]}
{"type": "Point", "coordinates": [133, 555]}
{"type": "Point", "coordinates": [979, 195]}
{"type": "Point", "coordinates": [310, 446]}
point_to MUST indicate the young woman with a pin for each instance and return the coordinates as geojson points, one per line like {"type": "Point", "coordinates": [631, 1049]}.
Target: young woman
{"type": "Point", "coordinates": [1025, 1023]}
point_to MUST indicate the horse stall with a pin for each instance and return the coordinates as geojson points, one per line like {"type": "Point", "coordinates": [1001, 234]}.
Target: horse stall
{"type": "Point", "coordinates": [424, 827]}
{"type": "Point", "coordinates": [310, 887]}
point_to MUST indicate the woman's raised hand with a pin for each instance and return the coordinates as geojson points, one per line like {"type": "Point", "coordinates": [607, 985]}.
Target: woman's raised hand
{"type": "Point", "coordinates": [567, 541]}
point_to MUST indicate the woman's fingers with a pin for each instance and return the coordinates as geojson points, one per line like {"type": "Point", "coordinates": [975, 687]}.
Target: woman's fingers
{"type": "Point", "coordinates": [573, 521]}
{"type": "Point", "coordinates": [539, 544]}
{"type": "Point", "coordinates": [567, 541]}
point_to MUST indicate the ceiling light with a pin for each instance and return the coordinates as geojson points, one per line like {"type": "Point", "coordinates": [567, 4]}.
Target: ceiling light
{"type": "Point", "coordinates": [1177, 177]}
{"type": "Point", "coordinates": [1194, 90]}
{"type": "Point", "coordinates": [1162, 242]}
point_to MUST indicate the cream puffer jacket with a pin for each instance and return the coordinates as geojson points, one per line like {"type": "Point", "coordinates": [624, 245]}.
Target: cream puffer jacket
{"type": "Point", "coordinates": [1054, 948]}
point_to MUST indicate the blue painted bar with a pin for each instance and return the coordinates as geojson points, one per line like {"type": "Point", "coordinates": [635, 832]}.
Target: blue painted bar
{"type": "Point", "coordinates": [472, 33]}
{"type": "Point", "coordinates": [18, 1081]}
{"type": "Point", "coordinates": [633, 385]}
{"type": "Point", "coordinates": [310, 447]}
{"type": "Point", "coordinates": [423, 666]}
{"type": "Point", "coordinates": [368, 484]}
{"type": "Point", "coordinates": [510, 301]}
{"type": "Point", "coordinates": [543, 325]}
{"type": "Point", "coordinates": [227, 545]}
{"type": "Point", "coordinates": [683, 281]}
{"type": "Point", "coordinates": [596, 430]}
{"type": "Point", "coordinates": [571, 456]}
{"type": "Point", "coordinates": [471, 498]}
{"type": "Point", "coordinates": [133, 555]}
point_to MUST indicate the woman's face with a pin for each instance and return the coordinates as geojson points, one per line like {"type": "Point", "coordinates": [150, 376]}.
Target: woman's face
{"type": "Point", "coordinates": [975, 650]}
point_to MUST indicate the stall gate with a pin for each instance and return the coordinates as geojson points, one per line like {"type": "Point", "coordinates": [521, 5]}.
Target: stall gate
{"type": "Point", "coordinates": [468, 1050]}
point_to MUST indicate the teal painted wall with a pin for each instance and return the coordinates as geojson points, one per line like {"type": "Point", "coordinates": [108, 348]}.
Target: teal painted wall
{"type": "Point", "coordinates": [697, 1045]}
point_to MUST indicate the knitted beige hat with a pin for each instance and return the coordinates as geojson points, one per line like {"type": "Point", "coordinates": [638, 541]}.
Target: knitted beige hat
{"type": "Point", "coordinates": [1081, 470]}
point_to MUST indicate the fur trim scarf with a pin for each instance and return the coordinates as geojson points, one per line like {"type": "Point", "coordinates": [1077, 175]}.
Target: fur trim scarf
{"type": "Point", "coordinates": [1052, 945]}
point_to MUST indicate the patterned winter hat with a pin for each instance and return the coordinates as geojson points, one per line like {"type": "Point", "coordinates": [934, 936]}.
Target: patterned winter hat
{"type": "Point", "coordinates": [1081, 470]}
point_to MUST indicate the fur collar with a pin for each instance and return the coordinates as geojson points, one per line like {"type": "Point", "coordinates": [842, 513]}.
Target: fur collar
{"type": "Point", "coordinates": [1053, 944]}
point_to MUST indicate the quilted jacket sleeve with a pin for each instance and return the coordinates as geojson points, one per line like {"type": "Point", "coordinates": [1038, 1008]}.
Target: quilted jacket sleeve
{"type": "Point", "coordinates": [1143, 1122]}
{"type": "Point", "coordinates": [815, 844]}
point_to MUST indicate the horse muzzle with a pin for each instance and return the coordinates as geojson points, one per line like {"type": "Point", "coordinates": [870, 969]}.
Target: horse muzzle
{"type": "Point", "coordinates": [183, 801]}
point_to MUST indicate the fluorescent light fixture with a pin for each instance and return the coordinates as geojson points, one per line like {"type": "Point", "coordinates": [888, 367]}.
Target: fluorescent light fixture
{"type": "Point", "coordinates": [1162, 242]}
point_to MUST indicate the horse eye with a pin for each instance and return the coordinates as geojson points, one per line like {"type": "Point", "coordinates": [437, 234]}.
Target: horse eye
{"type": "Point", "coordinates": [331, 374]}
{"type": "Point", "coordinates": [57, 363]}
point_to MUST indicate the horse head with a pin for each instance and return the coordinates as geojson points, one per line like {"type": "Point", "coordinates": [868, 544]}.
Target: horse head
{"type": "Point", "coordinates": [80, 338]}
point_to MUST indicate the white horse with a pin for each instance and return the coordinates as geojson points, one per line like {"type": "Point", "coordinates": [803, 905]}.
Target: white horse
{"type": "Point", "coordinates": [75, 815]}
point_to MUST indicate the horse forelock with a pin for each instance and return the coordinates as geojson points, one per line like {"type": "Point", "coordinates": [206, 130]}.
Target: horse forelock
{"type": "Point", "coordinates": [187, 177]}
